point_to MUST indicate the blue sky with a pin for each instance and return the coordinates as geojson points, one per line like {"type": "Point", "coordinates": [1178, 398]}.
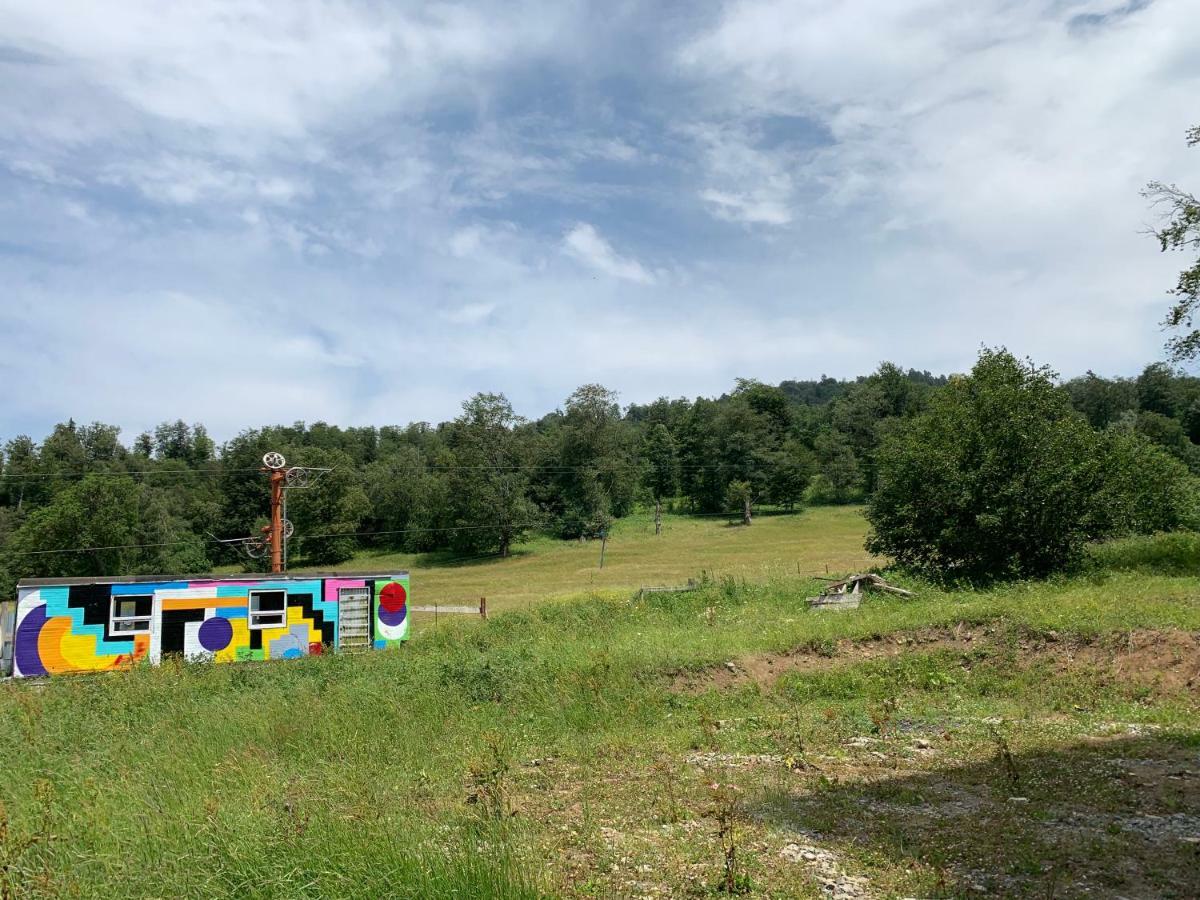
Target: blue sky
{"type": "Point", "coordinates": [240, 213]}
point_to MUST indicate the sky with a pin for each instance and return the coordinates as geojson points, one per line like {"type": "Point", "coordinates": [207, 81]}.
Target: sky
{"type": "Point", "coordinates": [242, 213]}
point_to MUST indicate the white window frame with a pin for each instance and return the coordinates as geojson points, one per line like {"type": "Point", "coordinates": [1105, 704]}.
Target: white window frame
{"type": "Point", "coordinates": [253, 615]}
{"type": "Point", "coordinates": [113, 618]}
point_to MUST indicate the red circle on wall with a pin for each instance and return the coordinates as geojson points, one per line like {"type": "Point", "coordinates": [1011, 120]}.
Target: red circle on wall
{"type": "Point", "coordinates": [393, 597]}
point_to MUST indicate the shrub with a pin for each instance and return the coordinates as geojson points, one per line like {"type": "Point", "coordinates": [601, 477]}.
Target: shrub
{"type": "Point", "coordinates": [1000, 478]}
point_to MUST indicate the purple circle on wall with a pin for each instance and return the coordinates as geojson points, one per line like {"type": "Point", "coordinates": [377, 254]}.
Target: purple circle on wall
{"type": "Point", "coordinates": [392, 617]}
{"type": "Point", "coordinates": [215, 633]}
{"type": "Point", "coordinates": [25, 647]}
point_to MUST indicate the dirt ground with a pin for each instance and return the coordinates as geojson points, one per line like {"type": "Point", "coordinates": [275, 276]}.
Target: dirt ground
{"type": "Point", "coordinates": [1166, 662]}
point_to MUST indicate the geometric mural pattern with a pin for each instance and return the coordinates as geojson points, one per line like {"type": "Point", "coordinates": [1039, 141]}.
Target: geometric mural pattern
{"type": "Point", "coordinates": [75, 627]}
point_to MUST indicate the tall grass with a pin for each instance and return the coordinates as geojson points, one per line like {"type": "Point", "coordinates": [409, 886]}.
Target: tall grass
{"type": "Point", "coordinates": [387, 774]}
{"type": "Point", "coordinates": [1174, 553]}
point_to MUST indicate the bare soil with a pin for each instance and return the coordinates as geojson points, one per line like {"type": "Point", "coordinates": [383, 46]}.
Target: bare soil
{"type": "Point", "coordinates": [1163, 661]}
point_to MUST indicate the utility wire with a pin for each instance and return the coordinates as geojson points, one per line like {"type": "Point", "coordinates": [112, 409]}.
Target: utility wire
{"type": "Point", "coordinates": [357, 471]}
{"type": "Point", "coordinates": [330, 534]}
{"type": "Point", "coordinates": [300, 537]}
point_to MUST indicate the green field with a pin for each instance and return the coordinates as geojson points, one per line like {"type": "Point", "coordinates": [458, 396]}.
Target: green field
{"type": "Point", "coordinates": [818, 541]}
{"type": "Point", "coordinates": [1037, 739]}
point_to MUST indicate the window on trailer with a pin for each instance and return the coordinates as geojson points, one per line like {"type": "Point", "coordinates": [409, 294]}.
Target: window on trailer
{"type": "Point", "coordinates": [130, 614]}
{"type": "Point", "coordinates": [268, 609]}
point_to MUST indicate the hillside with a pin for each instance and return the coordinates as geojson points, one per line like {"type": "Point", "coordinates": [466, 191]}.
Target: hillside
{"type": "Point", "coordinates": [819, 540]}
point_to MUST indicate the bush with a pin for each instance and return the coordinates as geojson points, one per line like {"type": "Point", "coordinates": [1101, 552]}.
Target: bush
{"type": "Point", "coordinates": [823, 492]}
{"type": "Point", "coordinates": [999, 478]}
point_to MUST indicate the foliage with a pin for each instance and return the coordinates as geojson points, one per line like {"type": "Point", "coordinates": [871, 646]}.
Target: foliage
{"type": "Point", "coordinates": [488, 488]}
{"type": "Point", "coordinates": [838, 468]}
{"type": "Point", "coordinates": [739, 496]}
{"type": "Point", "coordinates": [132, 530]}
{"type": "Point", "coordinates": [330, 510]}
{"type": "Point", "coordinates": [474, 485]}
{"type": "Point", "coordinates": [1000, 479]}
{"type": "Point", "coordinates": [1180, 231]}
{"type": "Point", "coordinates": [662, 462]}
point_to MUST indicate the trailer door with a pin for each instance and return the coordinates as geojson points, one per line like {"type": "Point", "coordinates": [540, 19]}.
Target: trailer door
{"type": "Point", "coordinates": [354, 618]}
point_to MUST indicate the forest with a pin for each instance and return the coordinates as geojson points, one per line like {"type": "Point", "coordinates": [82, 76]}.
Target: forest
{"type": "Point", "coordinates": [83, 502]}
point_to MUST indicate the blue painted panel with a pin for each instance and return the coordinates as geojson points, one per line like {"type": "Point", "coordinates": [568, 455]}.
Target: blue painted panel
{"type": "Point", "coordinates": [121, 590]}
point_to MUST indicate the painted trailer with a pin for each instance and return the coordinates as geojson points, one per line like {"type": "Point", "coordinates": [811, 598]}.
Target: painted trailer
{"type": "Point", "coordinates": [96, 624]}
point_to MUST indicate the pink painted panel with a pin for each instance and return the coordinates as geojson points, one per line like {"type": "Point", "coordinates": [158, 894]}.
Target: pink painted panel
{"type": "Point", "coordinates": [332, 585]}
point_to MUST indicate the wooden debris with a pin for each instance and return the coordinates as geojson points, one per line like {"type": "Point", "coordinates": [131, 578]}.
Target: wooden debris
{"type": "Point", "coordinates": [668, 589]}
{"type": "Point", "coordinates": [847, 593]}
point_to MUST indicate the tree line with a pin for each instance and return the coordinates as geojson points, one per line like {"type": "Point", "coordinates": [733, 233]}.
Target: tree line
{"type": "Point", "coordinates": [480, 483]}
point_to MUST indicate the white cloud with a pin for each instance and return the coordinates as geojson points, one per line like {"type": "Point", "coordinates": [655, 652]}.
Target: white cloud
{"type": "Point", "coordinates": [392, 206]}
{"type": "Point", "coordinates": [751, 208]}
{"type": "Point", "coordinates": [743, 183]}
{"type": "Point", "coordinates": [188, 180]}
{"type": "Point", "coordinates": [587, 246]}
{"type": "Point", "coordinates": [267, 68]}
{"type": "Point", "coordinates": [469, 314]}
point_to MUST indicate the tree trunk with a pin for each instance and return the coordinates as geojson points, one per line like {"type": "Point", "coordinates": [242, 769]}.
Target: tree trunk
{"type": "Point", "coordinates": [746, 511]}
{"type": "Point", "coordinates": [505, 542]}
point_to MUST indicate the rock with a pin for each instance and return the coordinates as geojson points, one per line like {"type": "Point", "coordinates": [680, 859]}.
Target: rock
{"type": "Point", "coordinates": [922, 744]}
{"type": "Point", "coordinates": [1018, 799]}
{"type": "Point", "coordinates": [731, 667]}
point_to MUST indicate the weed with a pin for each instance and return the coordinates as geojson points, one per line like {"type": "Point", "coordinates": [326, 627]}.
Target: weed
{"type": "Point", "coordinates": [709, 726]}
{"type": "Point", "coordinates": [883, 716]}
{"type": "Point", "coordinates": [726, 809]}
{"type": "Point", "coordinates": [1005, 758]}
{"type": "Point", "coordinates": [488, 780]}
{"type": "Point", "coordinates": [668, 797]}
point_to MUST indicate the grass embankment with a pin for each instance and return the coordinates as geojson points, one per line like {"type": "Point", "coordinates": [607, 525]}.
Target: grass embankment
{"type": "Point", "coordinates": [821, 539]}
{"type": "Point", "coordinates": [1031, 740]}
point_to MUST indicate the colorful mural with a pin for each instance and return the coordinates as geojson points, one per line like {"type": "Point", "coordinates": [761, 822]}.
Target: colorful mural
{"type": "Point", "coordinates": [67, 626]}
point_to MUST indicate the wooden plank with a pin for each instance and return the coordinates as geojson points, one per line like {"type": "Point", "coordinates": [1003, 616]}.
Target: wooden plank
{"type": "Point", "coordinates": [835, 601]}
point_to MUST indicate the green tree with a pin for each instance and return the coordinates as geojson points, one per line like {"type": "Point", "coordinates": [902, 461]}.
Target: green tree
{"type": "Point", "coordinates": [596, 474]}
{"type": "Point", "coordinates": [1100, 400]}
{"type": "Point", "coordinates": [991, 482]}
{"type": "Point", "coordinates": [329, 512]}
{"type": "Point", "coordinates": [1169, 434]}
{"type": "Point", "coordinates": [1180, 231]}
{"type": "Point", "coordinates": [176, 440]}
{"type": "Point", "coordinates": [839, 477]}
{"type": "Point", "coordinates": [790, 470]}
{"type": "Point", "coordinates": [698, 444]}
{"type": "Point", "coordinates": [739, 498]}
{"type": "Point", "coordinates": [408, 500]}
{"type": "Point", "coordinates": [94, 512]}
{"type": "Point", "coordinates": [23, 482]}
{"type": "Point", "coordinates": [1158, 391]}
{"type": "Point", "coordinates": [661, 462]}
{"type": "Point", "coordinates": [1145, 489]}
{"type": "Point", "coordinates": [488, 488]}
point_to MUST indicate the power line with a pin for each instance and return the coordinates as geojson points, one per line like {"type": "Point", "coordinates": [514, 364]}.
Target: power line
{"type": "Point", "coordinates": [301, 537]}
{"type": "Point", "coordinates": [358, 470]}
{"type": "Point", "coordinates": [108, 473]}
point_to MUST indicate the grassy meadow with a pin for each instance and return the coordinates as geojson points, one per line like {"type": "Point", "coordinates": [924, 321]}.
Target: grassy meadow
{"type": "Point", "coordinates": [1037, 739]}
{"type": "Point", "coordinates": [820, 540]}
